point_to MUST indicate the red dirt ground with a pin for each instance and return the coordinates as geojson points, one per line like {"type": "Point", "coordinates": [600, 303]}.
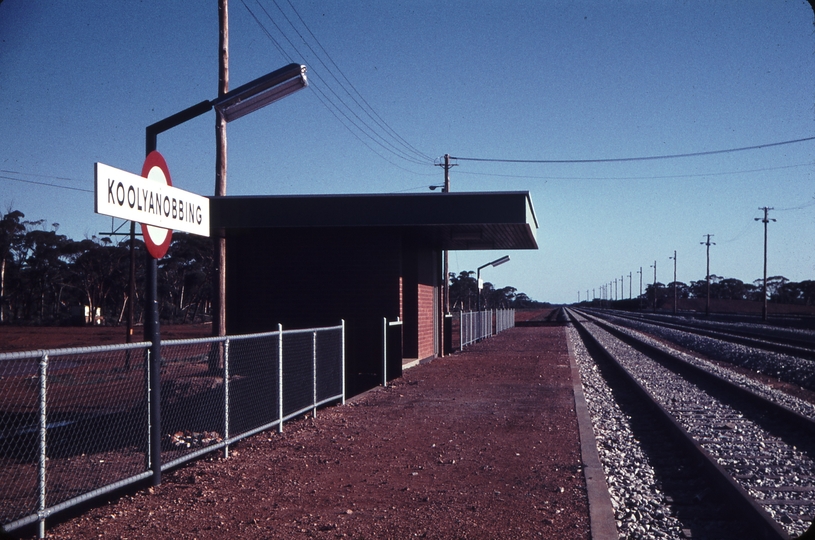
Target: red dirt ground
{"type": "Point", "coordinates": [26, 338]}
{"type": "Point", "coordinates": [482, 444]}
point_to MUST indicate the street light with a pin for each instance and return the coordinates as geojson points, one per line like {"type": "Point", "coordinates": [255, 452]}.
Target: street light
{"type": "Point", "coordinates": [232, 105]}
{"type": "Point", "coordinates": [496, 262]}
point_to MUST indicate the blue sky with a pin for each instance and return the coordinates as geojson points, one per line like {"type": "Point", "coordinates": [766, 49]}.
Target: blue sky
{"type": "Point", "coordinates": [521, 80]}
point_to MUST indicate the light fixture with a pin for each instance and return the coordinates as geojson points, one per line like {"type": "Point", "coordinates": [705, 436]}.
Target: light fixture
{"type": "Point", "coordinates": [262, 91]}
{"type": "Point", "coordinates": [497, 262]}
{"type": "Point", "coordinates": [480, 283]}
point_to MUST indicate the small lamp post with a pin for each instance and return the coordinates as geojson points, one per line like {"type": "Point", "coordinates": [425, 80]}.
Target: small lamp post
{"type": "Point", "coordinates": [496, 262]}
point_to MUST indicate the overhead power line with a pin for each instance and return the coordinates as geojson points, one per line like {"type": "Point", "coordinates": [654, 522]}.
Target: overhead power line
{"type": "Point", "coordinates": [21, 180]}
{"type": "Point", "coordinates": [335, 91]}
{"type": "Point", "coordinates": [646, 158]}
{"type": "Point", "coordinates": [640, 177]}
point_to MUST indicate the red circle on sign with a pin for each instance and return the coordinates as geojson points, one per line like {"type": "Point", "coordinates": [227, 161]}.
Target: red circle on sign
{"type": "Point", "coordinates": [156, 239]}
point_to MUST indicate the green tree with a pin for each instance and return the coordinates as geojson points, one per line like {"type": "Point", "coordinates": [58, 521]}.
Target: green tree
{"type": "Point", "coordinates": [186, 277]}
{"type": "Point", "coordinates": [463, 291]}
{"type": "Point", "coordinates": [99, 271]}
{"type": "Point", "coordinates": [11, 235]}
{"type": "Point", "coordinates": [43, 272]}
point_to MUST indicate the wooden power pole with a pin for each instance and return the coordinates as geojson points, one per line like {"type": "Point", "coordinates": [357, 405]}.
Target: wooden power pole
{"type": "Point", "coordinates": [766, 220]}
{"type": "Point", "coordinates": [219, 300]}
{"type": "Point", "coordinates": [708, 244]}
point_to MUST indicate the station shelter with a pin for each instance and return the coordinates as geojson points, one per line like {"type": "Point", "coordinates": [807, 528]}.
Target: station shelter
{"type": "Point", "coordinates": [306, 261]}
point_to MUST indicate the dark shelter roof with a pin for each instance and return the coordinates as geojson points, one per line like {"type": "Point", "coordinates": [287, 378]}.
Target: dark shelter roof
{"type": "Point", "coordinates": [453, 221]}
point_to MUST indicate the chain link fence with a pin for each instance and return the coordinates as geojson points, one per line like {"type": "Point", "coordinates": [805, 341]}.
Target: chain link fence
{"type": "Point", "coordinates": [477, 325]}
{"type": "Point", "coordinates": [74, 423]}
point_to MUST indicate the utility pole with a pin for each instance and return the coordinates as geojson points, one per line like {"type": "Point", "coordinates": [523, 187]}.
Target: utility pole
{"type": "Point", "coordinates": [630, 285]}
{"type": "Point", "coordinates": [708, 244]}
{"type": "Point", "coordinates": [622, 287]}
{"type": "Point", "coordinates": [655, 285]}
{"type": "Point", "coordinates": [766, 220]}
{"type": "Point", "coordinates": [640, 273]}
{"type": "Point", "coordinates": [674, 258]}
{"type": "Point", "coordinates": [445, 258]}
{"type": "Point", "coordinates": [219, 299]}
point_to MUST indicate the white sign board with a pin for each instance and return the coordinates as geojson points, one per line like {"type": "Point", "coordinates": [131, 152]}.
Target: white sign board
{"type": "Point", "coordinates": [129, 196]}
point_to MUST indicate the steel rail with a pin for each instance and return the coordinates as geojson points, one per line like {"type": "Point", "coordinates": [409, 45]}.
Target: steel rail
{"type": "Point", "coordinates": [799, 348]}
{"type": "Point", "coordinates": [763, 524]}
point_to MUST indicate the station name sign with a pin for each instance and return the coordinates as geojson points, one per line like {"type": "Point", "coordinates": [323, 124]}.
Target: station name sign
{"type": "Point", "coordinates": [125, 195]}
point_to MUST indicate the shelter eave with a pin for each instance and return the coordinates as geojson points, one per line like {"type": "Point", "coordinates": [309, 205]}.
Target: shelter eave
{"type": "Point", "coordinates": [453, 221]}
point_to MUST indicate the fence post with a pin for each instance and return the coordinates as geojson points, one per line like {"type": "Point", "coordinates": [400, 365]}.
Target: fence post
{"type": "Point", "coordinates": [385, 352]}
{"type": "Point", "coordinates": [152, 369]}
{"type": "Point", "coordinates": [280, 377]}
{"type": "Point", "coordinates": [43, 455]}
{"type": "Point", "coordinates": [342, 323]}
{"type": "Point", "coordinates": [226, 396]}
{"type": "Point", "coordinates": [314, 370]}
{"type": "Point", "coordinates": [461, 329]}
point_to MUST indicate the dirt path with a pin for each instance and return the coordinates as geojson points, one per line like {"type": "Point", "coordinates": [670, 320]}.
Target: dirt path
{"type": "Point", "coordinates": [478, 445]}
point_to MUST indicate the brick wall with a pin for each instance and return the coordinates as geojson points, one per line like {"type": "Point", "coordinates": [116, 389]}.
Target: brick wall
{"type": "Point", "coordinates": [304, 278]}
{"type": "Point", "coordinates": [426, 329]}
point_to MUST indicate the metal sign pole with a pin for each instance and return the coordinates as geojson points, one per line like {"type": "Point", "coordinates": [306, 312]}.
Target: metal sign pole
{"type": "Point", "coordinates": [152, 333]}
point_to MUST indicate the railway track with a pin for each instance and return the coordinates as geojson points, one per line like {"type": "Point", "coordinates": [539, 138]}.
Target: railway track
{"type": "Point", "coordinates": [760, 357]}
{"type": "Point", "coordinates": [727, 461]}
{"type": "Point", "coordinates": [768, 338]}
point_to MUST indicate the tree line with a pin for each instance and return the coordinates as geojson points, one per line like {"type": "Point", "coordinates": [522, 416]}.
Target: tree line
{"type": "Point", "coordinates": [779, 290]}
{"type": "Point", "coordinates": [47, 278]}
{"type": "Point", "coordinates": [464, 295]}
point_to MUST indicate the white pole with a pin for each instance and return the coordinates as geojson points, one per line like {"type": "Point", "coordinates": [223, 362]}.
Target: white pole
{"type": "Point", "coordinates": [280, 376]}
